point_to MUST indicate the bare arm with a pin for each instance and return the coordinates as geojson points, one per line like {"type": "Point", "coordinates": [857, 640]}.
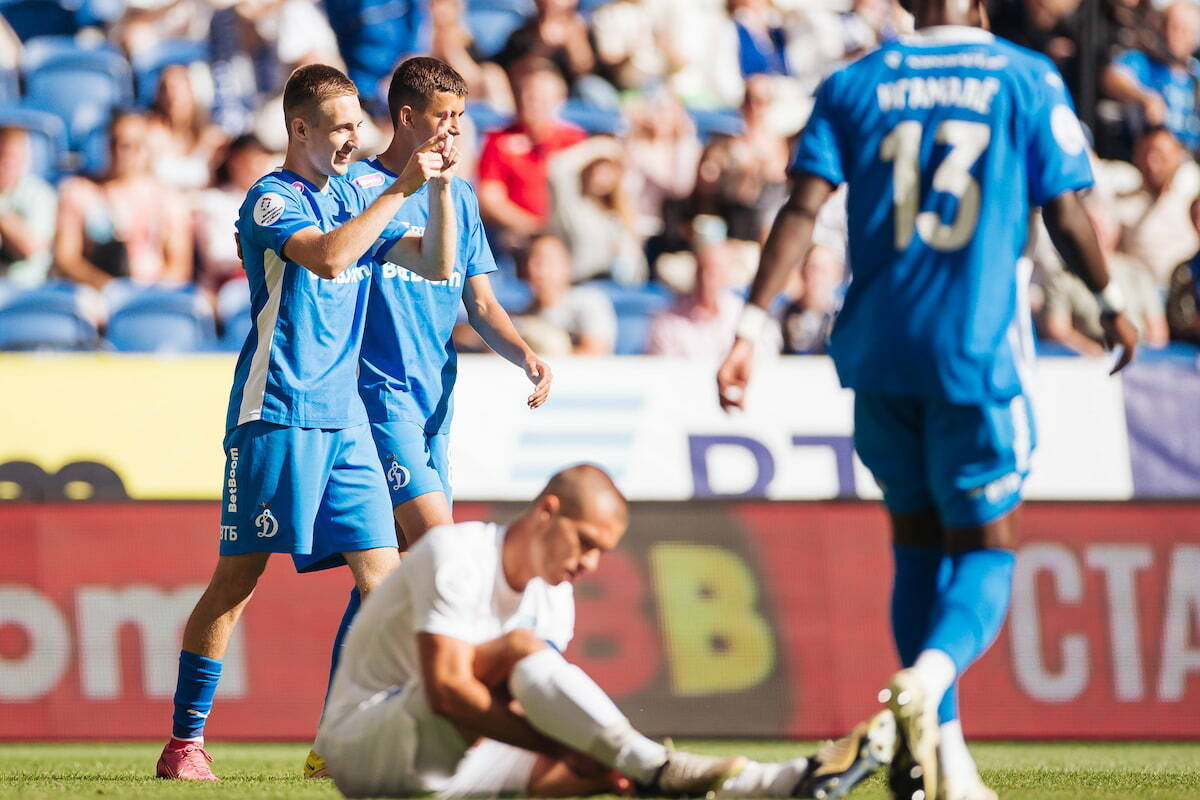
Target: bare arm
{"type": "Point", "coordinates": [1120, 85]}
{"type": "Point", "coordinates": [497, 208]}
{"type": "Point", "coordinates": [69, 242]}
{"type": "Point", "coordinates": [177, 245]}
{"type": "Point", "coordinates": [329, 254]}
{"type": "Point", "coordinates": [495, 327]}
{"type": "Point", "coordinates": [790, 238]}
{"type": "Point", "coordinates": [19, 240]}
{"type": "Point", "coordinates": [432, 255]}
{"type": "Point", "coordinates": [1073, 235]}
{"type": "Point", "coordinates": [454, 692]}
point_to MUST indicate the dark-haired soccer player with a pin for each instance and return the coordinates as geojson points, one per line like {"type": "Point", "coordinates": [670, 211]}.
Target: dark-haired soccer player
{"type": "Point", "coordinates": [301, 475]}
{"type": "Point", "coordinates": [947, 140]}
{"type": "Point", "coordinates": [409, 364]}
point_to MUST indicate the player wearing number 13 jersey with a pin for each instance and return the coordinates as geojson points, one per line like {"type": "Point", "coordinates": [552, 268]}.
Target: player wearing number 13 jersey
{"type": "Point", "coordinates": [947, 139]}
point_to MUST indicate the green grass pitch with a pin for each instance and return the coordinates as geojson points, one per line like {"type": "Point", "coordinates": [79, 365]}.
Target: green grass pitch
{"type": "Point", "coordinates": [1026, 770]}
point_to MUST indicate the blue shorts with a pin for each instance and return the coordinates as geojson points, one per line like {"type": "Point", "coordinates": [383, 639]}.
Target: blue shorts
{"type": "Point", "coordinates": [311, 492]}
{"type": "Point", "coordinates": [967, 461]}
{"type": "Point", "coordinates": [414, 462]}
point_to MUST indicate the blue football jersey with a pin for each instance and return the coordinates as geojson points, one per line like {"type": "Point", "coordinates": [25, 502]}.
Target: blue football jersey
{"type": "Point", "coordinates": [299, 361]}
{"type": "Point", "coordinates": [947, 139]}
{"type": "Point", "coordinates": [409, 363]}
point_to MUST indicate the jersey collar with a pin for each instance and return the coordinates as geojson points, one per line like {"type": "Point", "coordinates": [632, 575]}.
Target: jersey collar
{"type": "Point", "coordinates": [309, 185]}
{"type": "Point", "coordinates": [377, 164]}
{"type": "Point", "coordinates": [937, 35]}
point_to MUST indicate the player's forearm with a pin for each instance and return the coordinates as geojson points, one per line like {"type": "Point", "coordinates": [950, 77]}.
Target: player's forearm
{"type": "Point", "coordinates": [497, 208]}
{"type": "Point", "coordinates": [495, 327]}
{"type": "Point", "coordinates": [1071, 230]}
{"type": "Point", "coordinates": [470, 705]}
{"type": "Point", "coordinates": [789, 240]}
{"type": "Point", "coordinates": [1118, 85]}
{"type": "Point", "coordinates": [441, 234]}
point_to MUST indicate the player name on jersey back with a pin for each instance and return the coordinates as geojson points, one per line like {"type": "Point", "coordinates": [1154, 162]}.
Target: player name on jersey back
{"type": "Point", "coordinates": [973, 94]}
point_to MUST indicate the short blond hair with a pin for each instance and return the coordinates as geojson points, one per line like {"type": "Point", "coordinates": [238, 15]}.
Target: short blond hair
{"type": "Point", "coordinates": [311, 85]}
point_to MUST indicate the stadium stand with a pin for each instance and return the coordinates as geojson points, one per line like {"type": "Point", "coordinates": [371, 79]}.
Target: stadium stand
{"type": "Point", "coordinates": [161, 320]}
{"type": "Point", "coordinates": [50, 317]}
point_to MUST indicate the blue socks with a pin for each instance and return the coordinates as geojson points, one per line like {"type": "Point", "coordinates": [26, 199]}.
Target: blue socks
{"type": "Point", "coordinates": [339, 641]}
{"type": "Point", "coordinates": [972, 605]}
{"type": "Point", "coordinates": [920, 573]}
{"type": "Point", "coordinates": [194, 690]}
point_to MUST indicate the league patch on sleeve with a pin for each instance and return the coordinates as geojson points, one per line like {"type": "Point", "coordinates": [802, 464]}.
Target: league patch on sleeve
{"type": "Point", "coordinates": [268, 209]}
{"type": "Point", "coordinates": [1067, 131]}
{"type": "Point", "coordinates": [369, 180]}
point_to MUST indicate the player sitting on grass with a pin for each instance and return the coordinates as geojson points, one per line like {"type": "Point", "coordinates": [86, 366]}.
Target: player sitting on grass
{"type": "Point", "coordinates": [409, 363]}
{"type": "Point", "coordinates": [475, 619]}
{"type": "Point", "coordinates": [947, 139]}
{"type": "Point", "coordinates": [301, 475]}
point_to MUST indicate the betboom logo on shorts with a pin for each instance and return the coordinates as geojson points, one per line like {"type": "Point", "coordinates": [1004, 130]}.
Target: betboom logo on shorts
{"type": "Point", "coordinates": [266, 523]}
{"type": "Point", "coordinates": [231, 481]}
{"type": "Point", "coordinates": [397, 476]}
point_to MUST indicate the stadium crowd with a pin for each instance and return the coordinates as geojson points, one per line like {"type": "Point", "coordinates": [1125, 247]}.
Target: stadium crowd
{"type": "Point", "coordinates": [629, 157]}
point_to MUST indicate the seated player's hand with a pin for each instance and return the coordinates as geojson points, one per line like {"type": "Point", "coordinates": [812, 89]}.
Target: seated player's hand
{"type": "Point", "coordinates": [1119, 331]}
{"type": "Point", "coordinates": [734, 375]}
{"type": "Point", "coordinates": [540, 376]}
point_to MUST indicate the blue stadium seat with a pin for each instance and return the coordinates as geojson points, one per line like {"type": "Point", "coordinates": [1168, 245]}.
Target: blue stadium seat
{"type": "Point", "coordinates": [151, 62]}
{"type": "Point", "coordinates": [635, 300]}
{"type": "Point", "coordinates": [233, 312]}
{"type": "Point", "coordinates": [162, 320]}
{"type": "Point", "coordinates": [10, 87]}
{"type": "Point", "coordinates": [513, 294]}
{"type": "Point", "coordinates": [490, 27]}
{"type": "Point", "coordinates": [47, 137]}
{"type": "Point", "coordinates": [717, 122]}
{"type": "Point", "coordinates": [42, 50]}
{"type": "Point", "coordinates": [46, 318]}
{"type": "Point", "coordinates": [98, 12]}
{"type": "Point", "coordinates": [588, 7]}
{"type": "Point", "coordinates": [633, 333]}
{"type": "Point", "coordinates": [486, 118]}
{"type": "Point", "coordinates": [82, 88]}
{"type": "Point", "coordinates": [30, 18]}
{"type": "Point", "coordinates": [593, 120]}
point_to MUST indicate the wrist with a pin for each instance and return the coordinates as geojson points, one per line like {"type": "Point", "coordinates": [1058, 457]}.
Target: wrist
{"type": "Point", "coordinates": [751, 322]}
{"type": "Point", "coordinates": [1111, 299]}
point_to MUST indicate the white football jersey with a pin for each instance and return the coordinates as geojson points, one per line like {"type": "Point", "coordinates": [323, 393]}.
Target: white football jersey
{"type": "Point", "coordinates": [450, 583]}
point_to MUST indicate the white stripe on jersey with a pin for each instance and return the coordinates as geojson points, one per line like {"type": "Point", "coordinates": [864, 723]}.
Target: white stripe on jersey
{"type": "Point", "coordinates": [255, 388]}
{"type": "Point", "coordinates": [1022, 441]}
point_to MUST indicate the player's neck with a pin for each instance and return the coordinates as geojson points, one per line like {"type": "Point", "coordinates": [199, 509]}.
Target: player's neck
{"type": "Point", "coordinates": [295, 162]}
{"type": "Point", "coordinates": [515, 558]}
{"type": "Point", "coordinates": [397, 154]}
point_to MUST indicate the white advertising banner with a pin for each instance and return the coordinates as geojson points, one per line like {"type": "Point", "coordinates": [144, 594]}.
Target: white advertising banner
{"type": "Point", "coordinates": [655, 424]}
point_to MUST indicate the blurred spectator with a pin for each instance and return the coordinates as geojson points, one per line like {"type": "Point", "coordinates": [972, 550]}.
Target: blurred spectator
{"type": "Point", "coordinates": [514, 190]}
{"type": "Point", "coordinates": [762, 40]}
{"type": "Point", "coordinates": [820, 39]}
{"type": "Point", "coordinates": [1154, 221]}
{"type": "Point", "coordinates": [1183, 294]}
{"type": "Point", "coordinates": [592, 213]}
{"type": "Point", "coordinates": [27, 209]}
{"type": "Point", "coordinates": [451, 42]}
{"type": "Point", "coordinates": [1163, 86]}
{"type": "Point", "coordinates": [558, 34]}
{"type": "Point", "coordinates": [584, 314]}
{"type": "Point", "coordinates": [1070, 313]}
{"type": "Point", "coordinates": [702, 45]}
{"type": "Point", "coordinates": [372, 36]}
{"type": "Point", "coordinates": [809, 317]}
{"type": "Point", "coordinates": [216, 210]}
{"type": "Point", "coordinates": [701, 323]}
{"type": "Point", "coordinates": [126, 224]}
{"type": "Point", "coordinates": [145, 23]}
{"type": "Point", "coordinates": [661, 155]}
{"type": "Point", "coordinates": [184, 141]}
{"type": "Point", "coordinates": [743, 179]}
{"type": "Point", "coordinates": [631, 43]}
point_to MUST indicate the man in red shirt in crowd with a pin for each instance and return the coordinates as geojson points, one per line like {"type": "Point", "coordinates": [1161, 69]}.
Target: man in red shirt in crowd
{"type": "Point", "coordinates": [514, 192]}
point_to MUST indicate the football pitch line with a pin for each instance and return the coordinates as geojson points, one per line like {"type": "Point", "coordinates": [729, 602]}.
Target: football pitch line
{"type": "Point", "coordinates": [1033, 770]}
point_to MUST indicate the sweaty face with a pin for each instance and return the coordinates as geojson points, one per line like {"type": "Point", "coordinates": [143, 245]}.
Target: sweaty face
{"type": "Point", "coordinates": [331, 136]}
{"type": "Point", "coordinates": [572, 547]}
{"type": "Point", "coordinates": [444, 106]}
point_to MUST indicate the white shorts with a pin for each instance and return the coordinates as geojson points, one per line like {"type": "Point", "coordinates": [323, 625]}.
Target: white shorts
{"type": "Point", "coordinates": [392, 745]}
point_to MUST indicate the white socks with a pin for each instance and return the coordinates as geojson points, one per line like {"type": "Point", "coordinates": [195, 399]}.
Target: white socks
{"type": "Point", "coordinates": [561, 701]}
{"type": "Point", "coordinates": [764, 780]}
{"type": "Point", "coordinates": [936, 671]}
{"type": "Point", "coordinates": [953, 755]}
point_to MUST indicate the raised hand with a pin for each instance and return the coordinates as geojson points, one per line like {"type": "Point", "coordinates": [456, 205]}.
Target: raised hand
{"type": "Point", "coordinates": [426, 162]}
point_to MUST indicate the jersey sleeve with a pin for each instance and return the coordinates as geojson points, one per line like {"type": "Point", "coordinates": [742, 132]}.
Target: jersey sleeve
{"type": "Point", "coordinates": [1057, 158]}
{"type": "Point", "coordinates": [818, 152]}
{"type": "Point", "coordinates": [270, 215]}
{"type": "Point", "coordinates": [475, 252]}
{"type": "Point", "coordinates": [446, 589]}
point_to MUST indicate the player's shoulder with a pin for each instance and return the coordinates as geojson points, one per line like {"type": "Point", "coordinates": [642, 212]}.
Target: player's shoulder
{"type": "Point", "coordinates": [268, 198]}
{"type": "Point", "coordinates": [459, 536]}
{"type": "Point", "coordinates": [1025, 64]}
{"type": "Point", "coordinates": [367, 174]}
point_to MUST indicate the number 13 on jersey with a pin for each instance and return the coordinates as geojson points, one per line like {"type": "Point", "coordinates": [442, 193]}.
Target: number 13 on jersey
{"type": "Point", "coordinates": [902, 147]}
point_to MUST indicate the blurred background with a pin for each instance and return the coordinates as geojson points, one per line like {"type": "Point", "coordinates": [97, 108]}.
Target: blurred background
{"type": "Point", "coordinates": [629, 157]}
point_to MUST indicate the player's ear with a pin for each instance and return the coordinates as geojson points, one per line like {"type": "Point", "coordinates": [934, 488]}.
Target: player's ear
{"type": "Point", "coordinates": [406, 116]}
{"type": "Point", "coordinates": [298, 127]}
{"type": "Point", "coordinates": [550, 504]}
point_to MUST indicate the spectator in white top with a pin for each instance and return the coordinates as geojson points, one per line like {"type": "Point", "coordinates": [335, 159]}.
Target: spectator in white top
{"type": "Point", "coordinates": [27, 211]}
{"type": "Point", "coordinates": [701, 324]}
{"type": "Point", "coordinates": [593, 214]}
{"type": "Point", "coordinates": [584, 314]}
{"type": "Point", "coordinates": [185, 143]}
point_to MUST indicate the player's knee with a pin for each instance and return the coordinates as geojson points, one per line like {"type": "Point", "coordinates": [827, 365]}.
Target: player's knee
{"type": "Point", "coordinates": [238, 575]}
{"type": "Point", "coordinates": [524, 642]}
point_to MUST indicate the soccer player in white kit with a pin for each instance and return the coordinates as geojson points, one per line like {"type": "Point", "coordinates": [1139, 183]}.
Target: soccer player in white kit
{"type": "Point", "coordinates": [475, 619]}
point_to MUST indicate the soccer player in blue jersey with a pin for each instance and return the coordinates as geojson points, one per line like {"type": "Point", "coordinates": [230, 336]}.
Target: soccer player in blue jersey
{"type": "Point", "coordinates": [302, 476]}
{"type": "Point", "coordinates": [409, 363]}
{"type": "Point", "coordinates": [948, 139]}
